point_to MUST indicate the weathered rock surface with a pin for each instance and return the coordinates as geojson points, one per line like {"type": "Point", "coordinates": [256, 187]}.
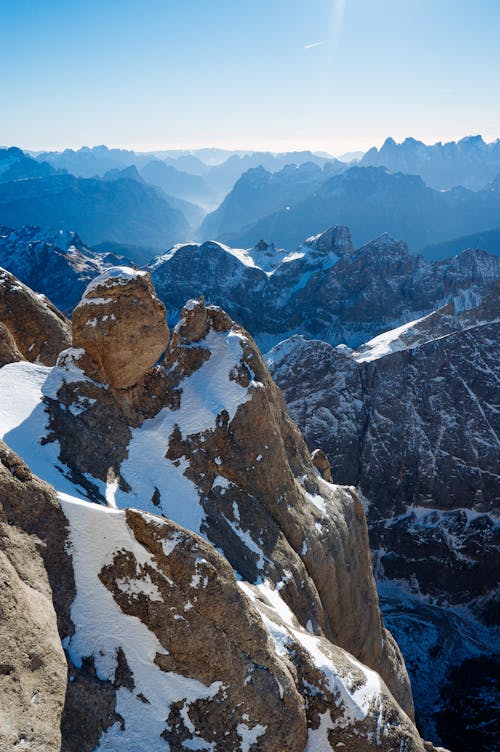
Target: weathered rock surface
{"type": "Point", "coordinates": [253, 489]}
{"type": "Point", "coordinates": [38, 329]}
{"type": "Point", "coordinates": [410, 419]}
{"type": "Point", "coordinates": [121, 325]}
{"type": "Point", "coordinates": [163, 645]}
{"type": "Point", "coordinates": [9, 352]}
{"type": "Point", "coordinates": [32, 664]}
{"type": "Point", "coordinates": [205, 439]}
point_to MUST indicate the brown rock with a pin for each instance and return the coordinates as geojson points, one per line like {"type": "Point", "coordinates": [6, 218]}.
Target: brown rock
{"type": "Point", "coordinates": [121, 325]}
{"type": "Point", "coordinates": [321, 558]}
{"type": "Point", "coordinates": [321, 463]}
{"type": "Point", "coordinates": [32, 663]}
{"type": "Point", "coordinates": [9, 352]}
{"type": "Point", "coordinates": [272, 517]}
{"type": "Point", "coordinates": [38, 328]}
{"type": "Point", "coordinates": [347, 705]}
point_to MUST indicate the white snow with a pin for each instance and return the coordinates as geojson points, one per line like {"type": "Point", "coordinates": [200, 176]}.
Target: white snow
{"type": "Point", "coordinates": [120, 275]}
{"type": "Point", "coordinates": [205, 394]}
{"type": "Point", "coordinates": [66, 371]}
{"type": "Point", "coordinates": [23, 422]}
{"type": "Point", "coordinates": [357, 699]}
{"type": "Point", "coordinates": [249, 736]}
{"type": "Point", "coordinates": [385, 343]}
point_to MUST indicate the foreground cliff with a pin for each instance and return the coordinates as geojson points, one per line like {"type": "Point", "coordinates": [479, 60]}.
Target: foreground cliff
{"type": "Point", "coordinates": [210, 589]}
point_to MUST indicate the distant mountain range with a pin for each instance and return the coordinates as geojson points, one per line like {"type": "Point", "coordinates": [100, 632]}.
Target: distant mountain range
{"type": "Point", "coordinates": [259, 192]}
{"type": "Point", "coordinates": [149, 201]}
{"type": "Point", "coordinates": [119, 207]}
{"type": "Point", "coordinates": [488, 241]}
{"type": "Point", "coordinates": [217, 170]}
{"type": "Point", "coordinates": [371, 200]}
{"type": "Point", "coordinates": [470, 162]}
{"type": "Point", "coordinates": [325, 289]}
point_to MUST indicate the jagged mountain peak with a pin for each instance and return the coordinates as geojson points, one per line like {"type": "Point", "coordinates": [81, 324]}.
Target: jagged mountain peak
{"type": "Point", "coordinates": [384, 244]}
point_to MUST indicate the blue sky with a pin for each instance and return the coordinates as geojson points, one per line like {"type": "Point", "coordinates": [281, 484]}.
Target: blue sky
{"type": "Point", "coordinates": [329, 75]}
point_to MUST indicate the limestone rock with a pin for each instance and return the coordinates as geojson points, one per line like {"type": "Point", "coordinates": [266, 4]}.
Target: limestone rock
{"type": "Point", "coordinates": [38, 329]}
{"type": "Point", "coordinates": [409, 418]}
{"type": "Point", "coordinates": [321, 463]}
{"type": "Point", "coordinates": [188, 657]}
{"type": "Point", "coordinates": [205, 440]}
{"type": "Point", "coordinates": [9, 352]}
{"type": "Point", "coordinates": [32, 664]}
{"type": "Point", "coordinates": [336, 239]}
{"type": "Point", "coordinates": [219, 424]}
{"type": "Point", "coordinates": [121, 325]}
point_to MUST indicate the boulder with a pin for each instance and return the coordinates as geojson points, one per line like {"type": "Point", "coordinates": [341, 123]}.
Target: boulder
{"type": "Point", "coordinates": [121, 325]}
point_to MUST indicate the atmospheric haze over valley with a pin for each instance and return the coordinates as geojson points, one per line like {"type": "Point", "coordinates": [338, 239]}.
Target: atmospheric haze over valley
{"type": "Point", "coordinates": [249, 377]}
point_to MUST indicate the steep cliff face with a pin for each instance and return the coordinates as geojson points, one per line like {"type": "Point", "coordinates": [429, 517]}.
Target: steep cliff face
{"type": "Point", "coordinates": [32, 662]}
{"type": "Point", "coordinates": [32, 327]}
{"type": "Point", "coordinates": [410, 419]}
{"type": "Point", "coordinates": [413, 424]}
{"type": "Point", "coordinates": [205, 440]}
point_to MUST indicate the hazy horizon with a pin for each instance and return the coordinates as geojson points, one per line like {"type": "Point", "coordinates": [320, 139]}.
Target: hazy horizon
{"type": "Point", "coordinates": [238, 148]}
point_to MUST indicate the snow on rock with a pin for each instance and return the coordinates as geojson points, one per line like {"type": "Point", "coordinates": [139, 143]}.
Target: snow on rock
{"type": "Point", "coordinates": [205, 394]}
{"type": "Point", "coordinates": [360, 706]}
{"type": "Point", "coordinates": [96, 535]}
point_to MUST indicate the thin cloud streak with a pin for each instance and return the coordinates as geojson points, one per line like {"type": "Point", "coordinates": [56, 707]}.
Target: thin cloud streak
{"type": "Point", "coordinates": [314, 44]}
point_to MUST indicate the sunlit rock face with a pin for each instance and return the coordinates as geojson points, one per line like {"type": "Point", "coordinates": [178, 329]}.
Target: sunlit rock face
{"type": "Point", "coordinates": [121, 326]}
{"type": "Point", "coordinates": [233, 579]}
{"type": "Point", "coordinates": [32, 328]}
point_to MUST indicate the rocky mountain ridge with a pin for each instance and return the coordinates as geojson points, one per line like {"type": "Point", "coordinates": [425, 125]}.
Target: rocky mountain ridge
{"type": "Point", "coordinates": [181, 439]}
{"type": "Point", "coordinates": [325, 289]}
{"type": "Point", "coordinates": [470, 162]}
{"type": "Point", "coordinates": [410, 418]}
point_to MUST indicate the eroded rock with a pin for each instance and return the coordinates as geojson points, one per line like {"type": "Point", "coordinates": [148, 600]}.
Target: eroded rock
{"type": "Point", "coordinates": [121, 325]}
{"type": "Point", "coordinates": [38, 329]}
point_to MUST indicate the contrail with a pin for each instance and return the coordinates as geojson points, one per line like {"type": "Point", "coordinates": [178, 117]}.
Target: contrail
{"type": "Point", "coordinates": [314, 44]}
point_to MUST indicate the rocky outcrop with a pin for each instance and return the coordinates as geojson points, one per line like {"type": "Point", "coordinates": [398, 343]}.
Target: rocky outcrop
{"type": "Point", "coordinates": [121, 326]}
{"type": "Point", "coordinates": [253, 488]}
{"type": "Point", "coordinates": [9, 352]}
{"type": "Point", "coordinates": [36, 329]}
{"type": "Point", "coordinates": [323, 289]}
{"type": "Point", "coordinates": [205, 440]}
{"type": "Point", "coordinates": [162, 644]}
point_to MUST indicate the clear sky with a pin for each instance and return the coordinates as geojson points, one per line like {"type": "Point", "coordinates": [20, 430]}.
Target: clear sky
{"type": "Point", "coordinates": [334, 75]}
